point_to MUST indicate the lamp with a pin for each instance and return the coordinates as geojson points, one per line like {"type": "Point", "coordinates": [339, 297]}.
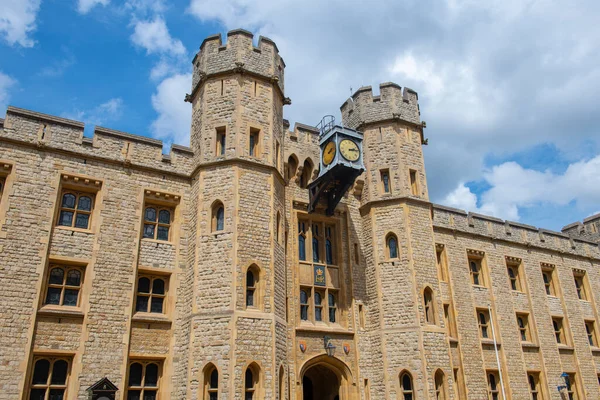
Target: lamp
{"type": "Point", "coordinates": [329, 346]}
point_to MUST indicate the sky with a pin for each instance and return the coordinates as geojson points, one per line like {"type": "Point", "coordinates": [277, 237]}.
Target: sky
{"type": "Point", "coordinates": [509, 88]}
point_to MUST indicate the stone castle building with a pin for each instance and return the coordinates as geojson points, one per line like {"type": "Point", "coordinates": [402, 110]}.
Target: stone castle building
{"type": "Point", "coordinates": [199, 274]}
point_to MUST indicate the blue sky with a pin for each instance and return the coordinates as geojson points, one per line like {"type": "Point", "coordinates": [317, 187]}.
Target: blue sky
{"type": "Point", "coordinates": [508, 87]}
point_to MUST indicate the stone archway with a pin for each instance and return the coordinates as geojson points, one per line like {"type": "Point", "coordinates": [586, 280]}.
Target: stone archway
{"type": "Point", "coordinates": [325, 378]}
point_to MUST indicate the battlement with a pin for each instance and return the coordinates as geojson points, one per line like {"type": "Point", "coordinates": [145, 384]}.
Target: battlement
{"type": "Point", "coordinates": [238, 55]}
{"type": "Point", "coordinates": [52, 133]}
{"type": "Point", "coordinates": [393, 103]}
{"type": "Point", "coordinates": [589, 229]}
{"type": "Point", "coordinates": [497, 229]}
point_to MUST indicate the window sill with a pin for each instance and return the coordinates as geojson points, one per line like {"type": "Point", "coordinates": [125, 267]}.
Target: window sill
{"type": "Point", "coordinates": [489, 342]}
{"type": "Point", "coordinates": [452, 340]}
{"type": "Point", "coordinates": [518, 291]}
{"type": "Point", "coordinates": [322, 327]}
{"type": "Point", "coordinates": [563, 348]}
{"type": "Point", "coordinates": [479, 286]}
{"type": "Point", "coordinates": [529, 345]}
{"type": "Point", "coordinates": [72, 229]}
{"type": "Point", "coordinates": [595, 349]}
{"type": "Point", "coordinates": [154, 318]}
{"type": "Point", "coordinates": [148, 240]}
{"type": "Point", "coordinates": [61, 311]}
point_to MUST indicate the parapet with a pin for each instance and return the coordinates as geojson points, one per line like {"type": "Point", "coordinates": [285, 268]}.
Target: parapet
{"type": "Point", "coordinates": [526, 235]}
{"type": "Point", "coordinates": [589, 229]}
{"type": "Point", "coordinates": [51, 133]}
{"type": "Point", "coordinates": [392, 104]}
{"type": "Point", "coordinates": [238, 54]}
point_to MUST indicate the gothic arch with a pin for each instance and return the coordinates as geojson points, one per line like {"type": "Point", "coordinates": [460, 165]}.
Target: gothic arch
{"type": "Point", "coordinates": [337, 367]}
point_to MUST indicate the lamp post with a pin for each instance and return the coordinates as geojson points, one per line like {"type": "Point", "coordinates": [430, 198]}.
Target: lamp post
{"type": "Point", "coordinates": [329, 346]}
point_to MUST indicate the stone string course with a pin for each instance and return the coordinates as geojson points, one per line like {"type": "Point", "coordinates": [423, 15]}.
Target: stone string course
{"type": "Point", "coordinates": [381, 328]}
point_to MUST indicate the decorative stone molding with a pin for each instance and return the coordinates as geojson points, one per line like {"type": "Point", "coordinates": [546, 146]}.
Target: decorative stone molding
{"type": "Point", "coordinates": [513, 260]}
{"type": "Point", "coordinates": [476, 253]}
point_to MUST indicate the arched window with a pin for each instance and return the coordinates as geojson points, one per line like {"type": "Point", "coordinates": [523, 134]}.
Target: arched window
{"type": "Point", "coordinates": [440, 385]}
{"type": "Point", "coordinates": [392, 246]}
{"type": "Point", "coordinates": [406, 386]}
{"type": "Point", "coordinates": [251, 286]}
{"type": "Point", "coordinates": [251, 382]}
{"type": "Point", "coordinates": [151, 293]}
{"type": "Point", "coordinates": [49, 376]}
{"type": "Point", "coordinates": [75, 210]}
{"type": "Point", "coordinates": [292, 167]}
{"type": "Point", "coordinates": [211, 382]}
{"type": "Point", "coordinates": [306, 173]}
{"type": "Point", "coordinates": [157, 223]}
{"type": "Point", "coordinates": [302, 241]}
{"type": "Point", "coordinates": [218, 217]}
{"type": "Point", "coordinates": [429, 306]}
{"type": "Point", "coordinates": [64, 285]}
{"type": "Point", "coordinates": [281, 383]}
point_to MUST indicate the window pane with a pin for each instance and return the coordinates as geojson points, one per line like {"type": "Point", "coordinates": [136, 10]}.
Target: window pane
{"type": "Point", "coordinates": [144, 285]}
{"type": "Point", "coordinates": [151, 375]}
{"type": "Point", "coordinates": [149, 395]}
{"type": "Point", "coordinates": [317, 298]}
{"type": "Point", "coordinates": [68, 200]}
{"type": "Point", "coordinates": [315, 249]}
{"type": "Point", "coordinates": [141, 304]}
{"type": "Point", "coordinates": [249, 279]}
{"type": "Point", "coordinates": [53, 296]}
{"type": "Point", "coordinates": [71, 296]}
{"type": "Point", "coordinates": [149, 231]}
{"type": "Point", "coordinates": [158, 286]}
{"type": "Point", "coordinates": [156, 305]}
{"type": "Point", "coordinates": [57, 276]}
{"type": "Point", "coordinates": [73, 278]}
{"type": "Point", "coordinates": [249, 298]}
{"type": "Point", "coordinates": [82, 221]}
{"type": "Point", "coordinates": [214, 379]}
{"type": "Point", "coordinates": [59, 372]}
{"type": "Point", "coordinates": [150, 214]}
{"type": "Point", "coordinates": [220, 218]}
{"type": "Point", "coordinates": [406, 382]}
{"type": "Point", "coordinates": [328, 252]}
{"type": "Point", "coordinates": [37, 394]}
{"type": "Point", "coordinates": [164, 217]}
{"type": "Point", "coordinates": [40, 372]}
{"type": "Point", "coordinates": [213, 396]}
{"type": "Point", "coordinates": [303, 297]}
{"type": "Point", "coordinates": [304, 313]}
{"type": "Point", "coordinates": [318, 313]}
{"type": "Point", "coordinates": [85, 203]}
{"type": "Point", "coordinates": [249, 379]}
{"type": "Point", "coordinates": [66, 218]}
{"type": "Point", "coordinates": [393, 246]}
{"type": "Point", "coordinates": [301, 248]}
{"type": "Point", "coordinates": [331, 299]}
{"type": "Point", "coordinates": [135, 374]}
{"type": "Point", "coordinates": [162, 233]}
{"type": "Point", "coordinates": [133, 395]}
{"type": "Point", "coordinates": [57, 394]}
{"type": "Point", "coordinates": [332, 315]}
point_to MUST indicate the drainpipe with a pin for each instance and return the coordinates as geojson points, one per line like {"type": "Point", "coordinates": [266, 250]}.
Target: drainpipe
{"type": "Point", "coordinates": [496, 350]}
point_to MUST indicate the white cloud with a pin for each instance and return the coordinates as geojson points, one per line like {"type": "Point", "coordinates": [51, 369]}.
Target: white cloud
{"type": "Point", "coordinates": [153, 36]}
{"type": "Point", "coordinates": [58, 68]}
{"type": "Point", "coordinates": [513, 187]}
{"type": "Point", "coordinates": [84, 6]}
{"type": "Point", "coordinates": [109, 111]}
{"type": "Point", "coordinates": [6, 83]}
{"type": "Point", "coordinates": [174, 115]}
{"type": "Point", "coordinates": [17, 21]}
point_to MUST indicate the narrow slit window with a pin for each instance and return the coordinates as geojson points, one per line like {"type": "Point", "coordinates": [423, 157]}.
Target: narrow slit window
{"type": "Point", "coordinates": [413, 183]}
{"type": "Point", "coordinates": [221, 141]}
{"type": "Point", "coordinates": [385, 181]}
{"type": "Point", "coordinates": [332, 303]}
{"type": "Point", "coordinates": [254, 142]}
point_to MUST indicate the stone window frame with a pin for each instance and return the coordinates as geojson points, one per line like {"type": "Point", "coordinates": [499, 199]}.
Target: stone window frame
{"type": "Point", "coordinates": [291, 168]}
{"type": "Point", "coordinates": [580, 282]}
{"type": "Point", "coordinates": [559, 329]}
{"type": "Point", "coordinates": [572, 386]}
{"type": "Point", "coordinates": [220, 141]}
{"type": "Point", "coordinates": [48, 386]}
{"type": "Point", "coordinates": [407, 393]}
{"type": "Point", "coordinates": [306, 228]}
{"type": "Point", "coordinates": [385, 181]}
{"type": "Point", "coordinates": [217, 216]}
{"type": "Point", "coordinates": [477, 264]}
{"type": "Point", "coordinates": [157, 223]}
{"type": "Point", "coordinates": [152, 276]}
{"type": "Point", "coordinates": [534, 384]}
{"type": "Point", "coordinates": [255, 385]}
{"type": "Point", "coordinates": [493, 384]}
{"type": "Point", "coordinates": [307, 170]}
{"type": "Point", "coordinates": [450, 321]}
{"type": "Point", "coordinates": [429, 308]}
{"type": "Point", "coordinates": [458, 382]}
{"type": "Point", "coordinates": [6, 180]}
{"type": "Point", "coordinates": [524, 326]}
{"type": "Point", "coordinates": [66, 267]}
{"type": "Point", "coordinates": [591, 332]}
{"type": "Point", "coordinates": [162, 201]}
{"type": "Point", "coordinates": [76, 211]}
{"type": "Point", "coordinates": [484, 324]}
{"type": "Point", "coordinates": [514, 269]}
{"type": "Point", "coordinates": [255, 136]}
{"type": "Point", "coordinates": [440, 386]}
{"type": "Point", "coordinates": [389, 249]}
{"type": "Point", "coordinates": [413, 178]}
{"type": "Point", "coordinates": [549, 279]}
{"type": "Point", "coordinates": [441, 259]}
{"type": "Point", "coordinates": [211, 391]}
{"type": "Point", "coordinates": [257, 289]}
{"type": "Point", "coordinates": [80, 186]}
{"type": "Point", "coordinates": [142, 388]}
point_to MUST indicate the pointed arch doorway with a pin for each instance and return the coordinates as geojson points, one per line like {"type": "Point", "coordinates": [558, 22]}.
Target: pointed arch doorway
{"type": "Point", "coordinates": [325, 378]}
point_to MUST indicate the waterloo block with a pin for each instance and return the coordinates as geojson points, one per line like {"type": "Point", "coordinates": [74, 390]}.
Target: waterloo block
{"type": "Point", "coordinates": [201, 274]}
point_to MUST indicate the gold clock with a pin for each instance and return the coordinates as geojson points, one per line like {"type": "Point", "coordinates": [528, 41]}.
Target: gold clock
{"type": "Point", "coordinates": [329, 153]}
{"type": "Point", "coordinates": [349, 149]}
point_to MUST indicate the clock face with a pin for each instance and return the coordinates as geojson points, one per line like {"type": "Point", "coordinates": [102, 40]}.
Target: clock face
{"type": "Point", "coordinates": [329, 153]}
{"type": "Point", "coordinates": [349, 150]}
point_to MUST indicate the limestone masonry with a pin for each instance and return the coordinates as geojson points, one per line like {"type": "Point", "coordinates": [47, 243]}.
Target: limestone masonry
{"type": "Point", "coordinates": [199, 274]}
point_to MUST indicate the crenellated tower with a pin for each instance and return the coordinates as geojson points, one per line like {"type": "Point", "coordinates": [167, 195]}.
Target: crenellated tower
{"type": "Point", "coordinates": [405, 313]}
{"type": "Point", "coordinates": [238, 323]}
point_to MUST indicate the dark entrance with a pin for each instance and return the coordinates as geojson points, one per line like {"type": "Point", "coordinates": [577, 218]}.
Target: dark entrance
{"type": "Point", "coordinates": [320, 383]}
